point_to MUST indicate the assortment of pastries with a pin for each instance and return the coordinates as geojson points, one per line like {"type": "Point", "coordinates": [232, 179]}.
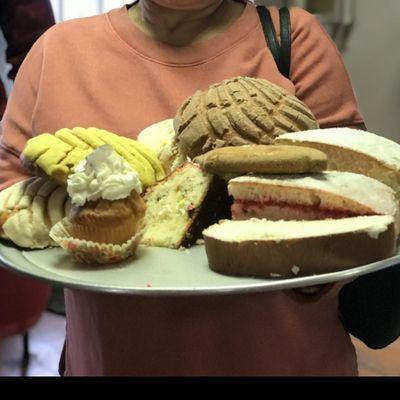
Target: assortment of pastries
{"type": "Point", "coordinates": [243, 165]}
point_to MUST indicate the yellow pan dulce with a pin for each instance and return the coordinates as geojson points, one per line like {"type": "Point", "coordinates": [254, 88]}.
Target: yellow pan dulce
{"type": "Point", "coordinates": [57, 155]}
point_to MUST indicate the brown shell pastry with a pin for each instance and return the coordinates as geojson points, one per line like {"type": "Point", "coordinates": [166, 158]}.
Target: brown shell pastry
{"type": "Point", "coordinates": [236, 112]}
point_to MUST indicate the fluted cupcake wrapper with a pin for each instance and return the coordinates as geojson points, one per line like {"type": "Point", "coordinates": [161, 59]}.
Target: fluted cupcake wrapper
{"type": "Point", "coordinates": [88, 252]}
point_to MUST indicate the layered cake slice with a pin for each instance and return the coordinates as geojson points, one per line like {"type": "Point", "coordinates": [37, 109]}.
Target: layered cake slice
{"type": "Point", "coordinates": [266, 249]}
{"type": "Point", "coordinates": [353, 151]}
{"type": "Point", "coordinates": [327, 195]}
{"type": "Point", "coordinates": [182, 206]}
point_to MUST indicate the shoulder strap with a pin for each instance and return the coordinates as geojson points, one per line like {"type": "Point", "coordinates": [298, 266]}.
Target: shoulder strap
{"type": "Point", "coordinates": [280, 51]}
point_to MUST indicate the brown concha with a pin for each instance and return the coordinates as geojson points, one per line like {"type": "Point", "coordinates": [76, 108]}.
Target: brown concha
{"type": "Point", "coordinates": [236, 112]}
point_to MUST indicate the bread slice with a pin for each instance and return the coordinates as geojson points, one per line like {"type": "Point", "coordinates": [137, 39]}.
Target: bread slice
{"type": "Point", "coordinates": [260, 248]}
{"type": "Point", "coordinates": [182, 206]}
{"type": "Point", "coordinates": [353, 151]}
{"type": "Point", "coordinates": [327, 195]}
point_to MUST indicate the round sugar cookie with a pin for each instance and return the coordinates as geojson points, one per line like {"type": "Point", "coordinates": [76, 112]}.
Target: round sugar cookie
{"type": "Point", "coordinates": [263, 159]}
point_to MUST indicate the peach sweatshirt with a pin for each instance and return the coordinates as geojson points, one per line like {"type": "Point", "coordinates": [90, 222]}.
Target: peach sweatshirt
{"type": "Point", "coordinates": [103, 71]}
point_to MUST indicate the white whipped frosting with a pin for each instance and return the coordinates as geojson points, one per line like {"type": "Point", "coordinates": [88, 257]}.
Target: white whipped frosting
{"type": "Point", "coordinates": [102, 175]}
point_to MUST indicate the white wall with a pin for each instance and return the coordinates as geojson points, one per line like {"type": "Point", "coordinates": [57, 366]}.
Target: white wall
{"type": "Point", "coordinates": [68, 9]}
{"type": "Point", "coordinates": [373, 60]}
{"type": "Point", "coordinates": [4, 67]}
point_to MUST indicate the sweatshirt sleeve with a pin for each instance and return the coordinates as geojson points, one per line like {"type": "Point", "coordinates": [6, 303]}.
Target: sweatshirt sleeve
{"type": "Point", "coordinates": [319, 74]}
{"type": "Point", "coordinates": [16, 126]}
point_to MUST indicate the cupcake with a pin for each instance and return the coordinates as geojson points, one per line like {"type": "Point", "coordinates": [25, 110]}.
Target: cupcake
{"type": "Point", "coordinates": [106, 220]}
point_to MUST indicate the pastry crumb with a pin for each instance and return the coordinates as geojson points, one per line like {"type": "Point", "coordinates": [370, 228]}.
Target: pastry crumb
{"type": "Point", "coordinates": [295, 270]}
{"type": "Point", "coordinates": [276, 275]}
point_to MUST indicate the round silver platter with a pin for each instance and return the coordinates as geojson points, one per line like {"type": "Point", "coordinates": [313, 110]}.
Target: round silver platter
{"type": "Point", "coordinates": [158, 271]}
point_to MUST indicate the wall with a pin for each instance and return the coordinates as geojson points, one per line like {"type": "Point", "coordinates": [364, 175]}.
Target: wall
{"type": "Point", "coordinates": [4, 67]}
{"type": "Point", "coordinates": [373, 61]}
{"type": "Point", "coordinates": [68, 9]}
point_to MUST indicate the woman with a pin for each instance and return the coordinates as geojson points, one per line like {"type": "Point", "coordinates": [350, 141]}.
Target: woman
{"type": "Point", "coordinates": [133, 67]}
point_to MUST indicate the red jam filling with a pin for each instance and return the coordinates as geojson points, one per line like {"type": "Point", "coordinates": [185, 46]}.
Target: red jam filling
{"type": "Point", "coordinates": [249, 206]}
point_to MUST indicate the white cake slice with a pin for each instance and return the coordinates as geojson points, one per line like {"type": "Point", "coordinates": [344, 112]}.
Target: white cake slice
{"type": "Point", "coordinates": [182, 206]}
{"type": "Point", "coordinates": [354, 151]}
{"type": "Point", "coordinates": [327, 195]}
{"type": "Point", "coordinates": [266, 249]}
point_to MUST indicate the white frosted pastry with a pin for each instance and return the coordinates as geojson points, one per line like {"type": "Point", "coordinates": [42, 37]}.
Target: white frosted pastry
{"type": "Point", "coordinates": [311, 197]}
{"type": "Point", "coordinates": [160, 138]}
{"type": "Point", "coordinates": [29, 209]}
{"type": "Point", "coordinates": [354, 151]}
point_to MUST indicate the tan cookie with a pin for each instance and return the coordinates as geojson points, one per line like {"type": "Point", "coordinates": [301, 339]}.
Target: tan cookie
{"type": "Point", "coordinates": [260, 159]}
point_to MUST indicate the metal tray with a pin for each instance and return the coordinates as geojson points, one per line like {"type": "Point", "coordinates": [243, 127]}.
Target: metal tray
{"type": "Point", "coordinates": [160, 272]}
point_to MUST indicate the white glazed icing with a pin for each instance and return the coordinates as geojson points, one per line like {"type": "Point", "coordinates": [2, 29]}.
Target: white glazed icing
{"type": "Point", "coordinates": [263, 230]}
{"type": "Point", "coordinates": [384, 150]}
{"type": "Point", "coordinates": [102, 175]}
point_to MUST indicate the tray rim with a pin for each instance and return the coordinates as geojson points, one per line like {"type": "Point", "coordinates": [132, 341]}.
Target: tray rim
{"type": "Point", "coordinates": [258, 287]}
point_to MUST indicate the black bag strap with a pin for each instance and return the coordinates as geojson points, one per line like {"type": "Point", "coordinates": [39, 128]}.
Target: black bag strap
{"type": "Point", "coordinates": [282, 52]}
